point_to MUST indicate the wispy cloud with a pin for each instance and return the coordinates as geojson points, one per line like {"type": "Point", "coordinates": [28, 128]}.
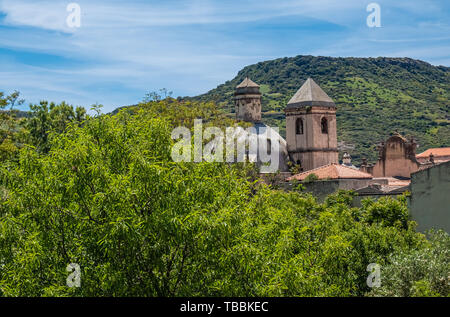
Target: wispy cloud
{"type": "Point", "coordinates": [45, 14]}
{"type": "Point", "coordinates": [106, 14]}
{"type": "Point", "coordinates": [124, 49]}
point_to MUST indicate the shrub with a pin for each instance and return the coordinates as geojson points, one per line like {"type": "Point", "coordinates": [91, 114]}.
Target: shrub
{"type": "Point", "coordinates": [311, 178]}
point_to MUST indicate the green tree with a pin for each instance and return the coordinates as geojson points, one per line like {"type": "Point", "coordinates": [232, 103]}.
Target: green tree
{"type": "Point", "coordinates": [108, 196]}
{"type": "Point", "coordinates": [422, 272]}
{"type": "Point", "coordinates": [47, 118]}
{"type": "Point", "coordinates": [9, 125]}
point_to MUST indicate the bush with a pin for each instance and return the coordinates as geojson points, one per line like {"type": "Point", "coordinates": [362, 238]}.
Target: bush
{"type": "Point", "coordinates": [311, 178]}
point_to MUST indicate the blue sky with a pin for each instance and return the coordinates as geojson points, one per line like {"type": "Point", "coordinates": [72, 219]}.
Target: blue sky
{"type": "Point", "coordinates": [125, 49]}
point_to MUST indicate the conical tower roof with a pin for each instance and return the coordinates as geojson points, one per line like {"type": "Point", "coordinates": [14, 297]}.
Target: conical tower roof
{"type": "Point", "coordinates": [248, 83]}
{"type": "Point", "coordinates": [310, 94]}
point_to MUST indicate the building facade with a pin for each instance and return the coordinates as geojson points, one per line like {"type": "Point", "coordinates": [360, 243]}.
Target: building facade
{"type": "Point", "coordinates": [429, 201]}
{"type": "Point", "coordinates": [397, 158]}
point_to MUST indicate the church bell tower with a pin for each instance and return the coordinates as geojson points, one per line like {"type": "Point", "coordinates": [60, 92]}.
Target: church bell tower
{"type": "Point", "coordinates": [311, 127]}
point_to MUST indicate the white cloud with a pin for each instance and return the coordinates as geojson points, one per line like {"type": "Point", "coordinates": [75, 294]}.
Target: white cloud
{"type": "Point", "coordinates": [183, 45]}
{"type": "Point", "coordinates": [39, 14]}
{"type": "Point", "coordinates": [52, 15]}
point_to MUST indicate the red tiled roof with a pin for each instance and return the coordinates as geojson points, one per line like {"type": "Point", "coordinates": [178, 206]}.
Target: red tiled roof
{"type": "Point", "coordinates": [332, 171]}
{"type": "Point", "coordinates": [443, 151]}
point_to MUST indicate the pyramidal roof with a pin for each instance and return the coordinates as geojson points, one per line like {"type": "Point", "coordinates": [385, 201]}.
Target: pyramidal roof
{"type": "Point", "coordinates": [247, 83]}
{"type": "Point", "coordinates": [310, 94]}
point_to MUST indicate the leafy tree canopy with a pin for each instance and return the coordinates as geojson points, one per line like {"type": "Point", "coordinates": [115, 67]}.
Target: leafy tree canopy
{"type": "Point", "coordinates": [108, 197]}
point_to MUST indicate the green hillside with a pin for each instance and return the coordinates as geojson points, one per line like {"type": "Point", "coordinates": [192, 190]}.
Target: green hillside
{"type": "Point", "coordinates": [375, 97]}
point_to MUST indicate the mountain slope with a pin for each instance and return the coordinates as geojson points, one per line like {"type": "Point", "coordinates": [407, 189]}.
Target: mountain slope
{"type": "Point", "coordinates": [374, 96]}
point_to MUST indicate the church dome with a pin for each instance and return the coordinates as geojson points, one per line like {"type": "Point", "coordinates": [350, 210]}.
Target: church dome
{"type": "Point", "coordinates": [266, 134]}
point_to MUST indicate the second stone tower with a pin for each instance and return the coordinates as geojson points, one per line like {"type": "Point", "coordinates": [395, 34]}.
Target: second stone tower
{"type": "Point", "coordinates": [247, 99]}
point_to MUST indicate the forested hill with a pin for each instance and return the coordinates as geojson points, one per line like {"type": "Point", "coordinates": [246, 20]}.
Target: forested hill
{"type": "Point", "coordinates": [375, 97]}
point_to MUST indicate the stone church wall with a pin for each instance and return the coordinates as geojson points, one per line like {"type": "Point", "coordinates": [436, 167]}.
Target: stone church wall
{"type": "Point", "coordinates": [397, 158]}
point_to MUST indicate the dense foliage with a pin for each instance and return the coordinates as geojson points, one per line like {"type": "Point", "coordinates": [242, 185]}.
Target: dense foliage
{"type": "Point", "coordinates": [374, 96]}
{"type": "Point", "coordinates": [10, 131]}
{"type": "Point", "coordinates": [48, 118]}
{"type": "Point", "coordinates": [107, 196]}
{"type": "Point", "coordinates": [19, 128]}
{"type": "Point", "coordinates": [423, 272]}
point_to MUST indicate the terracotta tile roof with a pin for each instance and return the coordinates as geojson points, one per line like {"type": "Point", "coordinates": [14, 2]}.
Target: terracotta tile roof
{"type": "Point", "coordinates": [332, 171]}
{"type": "Point", "coordinates": [443, 151]}
{"type": "Point", "coordinates": [394, 182]}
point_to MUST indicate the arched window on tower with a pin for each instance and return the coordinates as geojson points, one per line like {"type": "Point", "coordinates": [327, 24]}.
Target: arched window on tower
{"type": "Point", "coordinates": [324, 124]}
{"type": "Point", "coordinates": [299, 126]}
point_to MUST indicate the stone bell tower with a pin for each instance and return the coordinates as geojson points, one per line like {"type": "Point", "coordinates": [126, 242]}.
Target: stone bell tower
{"type": "Point", "coordinates": [311, 127]}
{"type": "Point", "coordinates": [247, 100]}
